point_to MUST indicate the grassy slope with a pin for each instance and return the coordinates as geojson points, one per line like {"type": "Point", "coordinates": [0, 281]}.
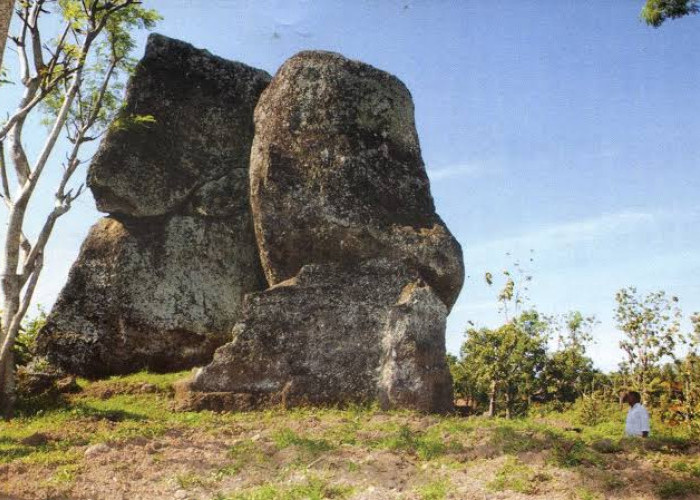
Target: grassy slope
{"type": "Point", "coordinates": [150, 452]}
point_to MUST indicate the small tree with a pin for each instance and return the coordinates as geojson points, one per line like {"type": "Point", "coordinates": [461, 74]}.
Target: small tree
{"type": "Point", "coordinates": [651, 326]}
{"type": "Point", "coordinates": [73, 80]}
{"type": "Point", "coordinates": [570, 371]}
{"type": "Point", "coordinates": [507, 361]}
{"type": "Point", "coordinates": [689, 375]}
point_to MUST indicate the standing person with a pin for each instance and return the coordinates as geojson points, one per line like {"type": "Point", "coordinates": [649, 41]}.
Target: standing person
{"type": "Point", "coordinates": [637, 423]}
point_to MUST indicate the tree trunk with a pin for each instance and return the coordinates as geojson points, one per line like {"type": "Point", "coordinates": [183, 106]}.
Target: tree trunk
{"type": "Point", "coordinates": [492, 400]}
{"type": "Point", "coordinates": [6, 7]}
{"type": "Point", "coordinates": [508, 405]}
{"type": "Point", "coordinates": [7, 388]}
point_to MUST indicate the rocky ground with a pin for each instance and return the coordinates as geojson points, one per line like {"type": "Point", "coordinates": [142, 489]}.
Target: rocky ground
{"type": "Point", "coordinates": [120, 439]}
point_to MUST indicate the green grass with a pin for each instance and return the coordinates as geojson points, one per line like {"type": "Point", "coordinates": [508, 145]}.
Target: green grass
{"type": "Point", "coordinates": [516, 476]}
{"type": "Point", "coordinates": [270, 453]}
{"type": "Point", "coordinates": [572, 453]}
{"type": "Point", "coordinates": [310, 447]}
{"type": "Point", "coordinates": [426, 446]}
{"type": "Point", "coordinates": [311, 489]}
{"type": "Point", "coordinates": [434, 490]}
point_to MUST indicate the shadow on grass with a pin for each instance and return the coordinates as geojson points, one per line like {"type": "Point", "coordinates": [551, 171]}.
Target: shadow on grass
{"type": "Point", "coordinates": [87, 411]}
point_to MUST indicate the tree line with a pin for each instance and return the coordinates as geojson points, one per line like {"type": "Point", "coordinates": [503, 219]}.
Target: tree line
{"type": "Point", "coordinates": [534, 359]}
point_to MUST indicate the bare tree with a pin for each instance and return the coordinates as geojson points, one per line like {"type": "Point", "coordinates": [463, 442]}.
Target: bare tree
{"type": "Point", "coordinates": [72, 80]}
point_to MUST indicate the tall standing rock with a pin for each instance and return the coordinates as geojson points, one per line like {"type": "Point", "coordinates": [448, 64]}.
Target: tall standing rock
{"type": "Point", "coordinates": [159, 283]}
{"type": "Point", "coordinates": [337, 175]}
{"type": "Point", "coordinates": [362, 270]}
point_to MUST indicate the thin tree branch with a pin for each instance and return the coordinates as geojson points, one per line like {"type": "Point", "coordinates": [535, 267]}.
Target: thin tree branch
{"type": "Point", "coordinates": [33, 26]}
{"type": "Point", "coordinates": [3, 174]}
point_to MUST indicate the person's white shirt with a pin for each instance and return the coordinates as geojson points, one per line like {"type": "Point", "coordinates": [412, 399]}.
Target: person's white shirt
{"type": "Point", "coordinates": [637, 421]}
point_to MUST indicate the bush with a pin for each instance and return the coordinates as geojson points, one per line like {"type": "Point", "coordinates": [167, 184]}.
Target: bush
{"type": "Point", "coordinates": [25, 344]}
{"type": "Point", "coordinates": [592, 409]}
{"type": "Point", "coordinates": [676, 488]}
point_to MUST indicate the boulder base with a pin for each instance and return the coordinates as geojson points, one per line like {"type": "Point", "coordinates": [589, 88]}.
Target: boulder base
{"type": "Point", "coordinates": [160, 294]}
{"type": "Point", "coordinates": [331, 336]}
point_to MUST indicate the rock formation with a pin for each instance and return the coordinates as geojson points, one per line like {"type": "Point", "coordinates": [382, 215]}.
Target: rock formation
{"type": "Point", "coordinates": [361, 268]}
{"type": "Point", "coordinates": [159, 283]}
{"type": "Point", "coordinates": [337, 175]}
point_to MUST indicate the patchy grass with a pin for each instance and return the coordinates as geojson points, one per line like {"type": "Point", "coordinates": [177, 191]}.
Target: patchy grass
{"type": "Point", "coordinates": [514, 475]}
{"type": "Point", "coordinates": [150, 451]}
{"type": "Point", "coordinates": [311, 489]}
{"type": "Point", "coordinates": [435, 490]}
{"type": "Point", "coordinates": [677, 488]}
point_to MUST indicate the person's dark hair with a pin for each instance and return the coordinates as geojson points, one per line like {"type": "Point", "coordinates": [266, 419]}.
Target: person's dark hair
{"type": "Point", "coordinates": [633, 395]}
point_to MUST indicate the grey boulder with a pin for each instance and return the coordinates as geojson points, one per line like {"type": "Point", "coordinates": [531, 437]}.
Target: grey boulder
{"type": "Point", "coordinates": [159, 284]}
{"type": "Point", "coordinates": [333, 336]}
{"type": "Point", "coordinates": [158, 295]}
{"type": "Point", "coordinates": [337, 175]}
{"type": "Point", "coordinates": [186, 126]}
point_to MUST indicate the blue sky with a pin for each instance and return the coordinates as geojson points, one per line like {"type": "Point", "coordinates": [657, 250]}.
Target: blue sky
{"type": "Point", "coordinates": [564, 127]}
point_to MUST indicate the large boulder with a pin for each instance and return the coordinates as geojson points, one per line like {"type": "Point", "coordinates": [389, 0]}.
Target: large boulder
{"type": "Point", "coordinates": [333, 336]}
{"type": "Point", "coordinates": [187, 124]}
{"type": "Point", "coordinates": [337, 175]}
{"type": "Point", "coordinates": [161, 295]}
{"type": "Point", "coordinates": [159, 284]}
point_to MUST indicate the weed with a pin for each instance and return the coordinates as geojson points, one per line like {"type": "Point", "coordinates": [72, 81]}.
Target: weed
{"type": "Point", "coordinates": [674, 488]}
{"type": "Point", "coordinates": [566, 453]}
{"type": "Point", "coordinates": [584, 494]}
{"type": "Point", "coordinates": [312, 489]}
{"type": "Point", "coordinates": [426, 446]}
{"type": "Point", "coordinates": [189, 480]}
{"type": "Point", "coordinates": [680, 466]}
{"type": "Point", "coordinates": [435, 490]}
{"type": "Point", "coordinates": [516, 476]}
{"type": "Point", "coordinates": [612, 482]}
{"type": "Point", "coordinates": [66, 474]}
{"type": "Point", "coordinates": [246, 452]}
{"type": "Point", "coordinates": [695, 470]}
{"type": "Point", "coordinates": [227, 471]}
{"type": "Point", "coordinates": [606, 446]}
{"type": "Point", "coordinates": [513, 441]}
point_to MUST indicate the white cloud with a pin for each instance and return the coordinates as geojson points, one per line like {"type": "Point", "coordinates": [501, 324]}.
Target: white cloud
{"type": "Point", "coordinates": [437, 174]}
{"type": "Point", "coordinates": [568, 233]}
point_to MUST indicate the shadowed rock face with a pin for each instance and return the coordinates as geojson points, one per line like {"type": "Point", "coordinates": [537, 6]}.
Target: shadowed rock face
{"type": "Point", "coordinates": [335, 336]}
{"type": "Point", "coordinates": [337, 175]}
{"type": "Point", "coordinates": [203, 107]}
{"type": "Point", "coordinates": [159, 284]}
